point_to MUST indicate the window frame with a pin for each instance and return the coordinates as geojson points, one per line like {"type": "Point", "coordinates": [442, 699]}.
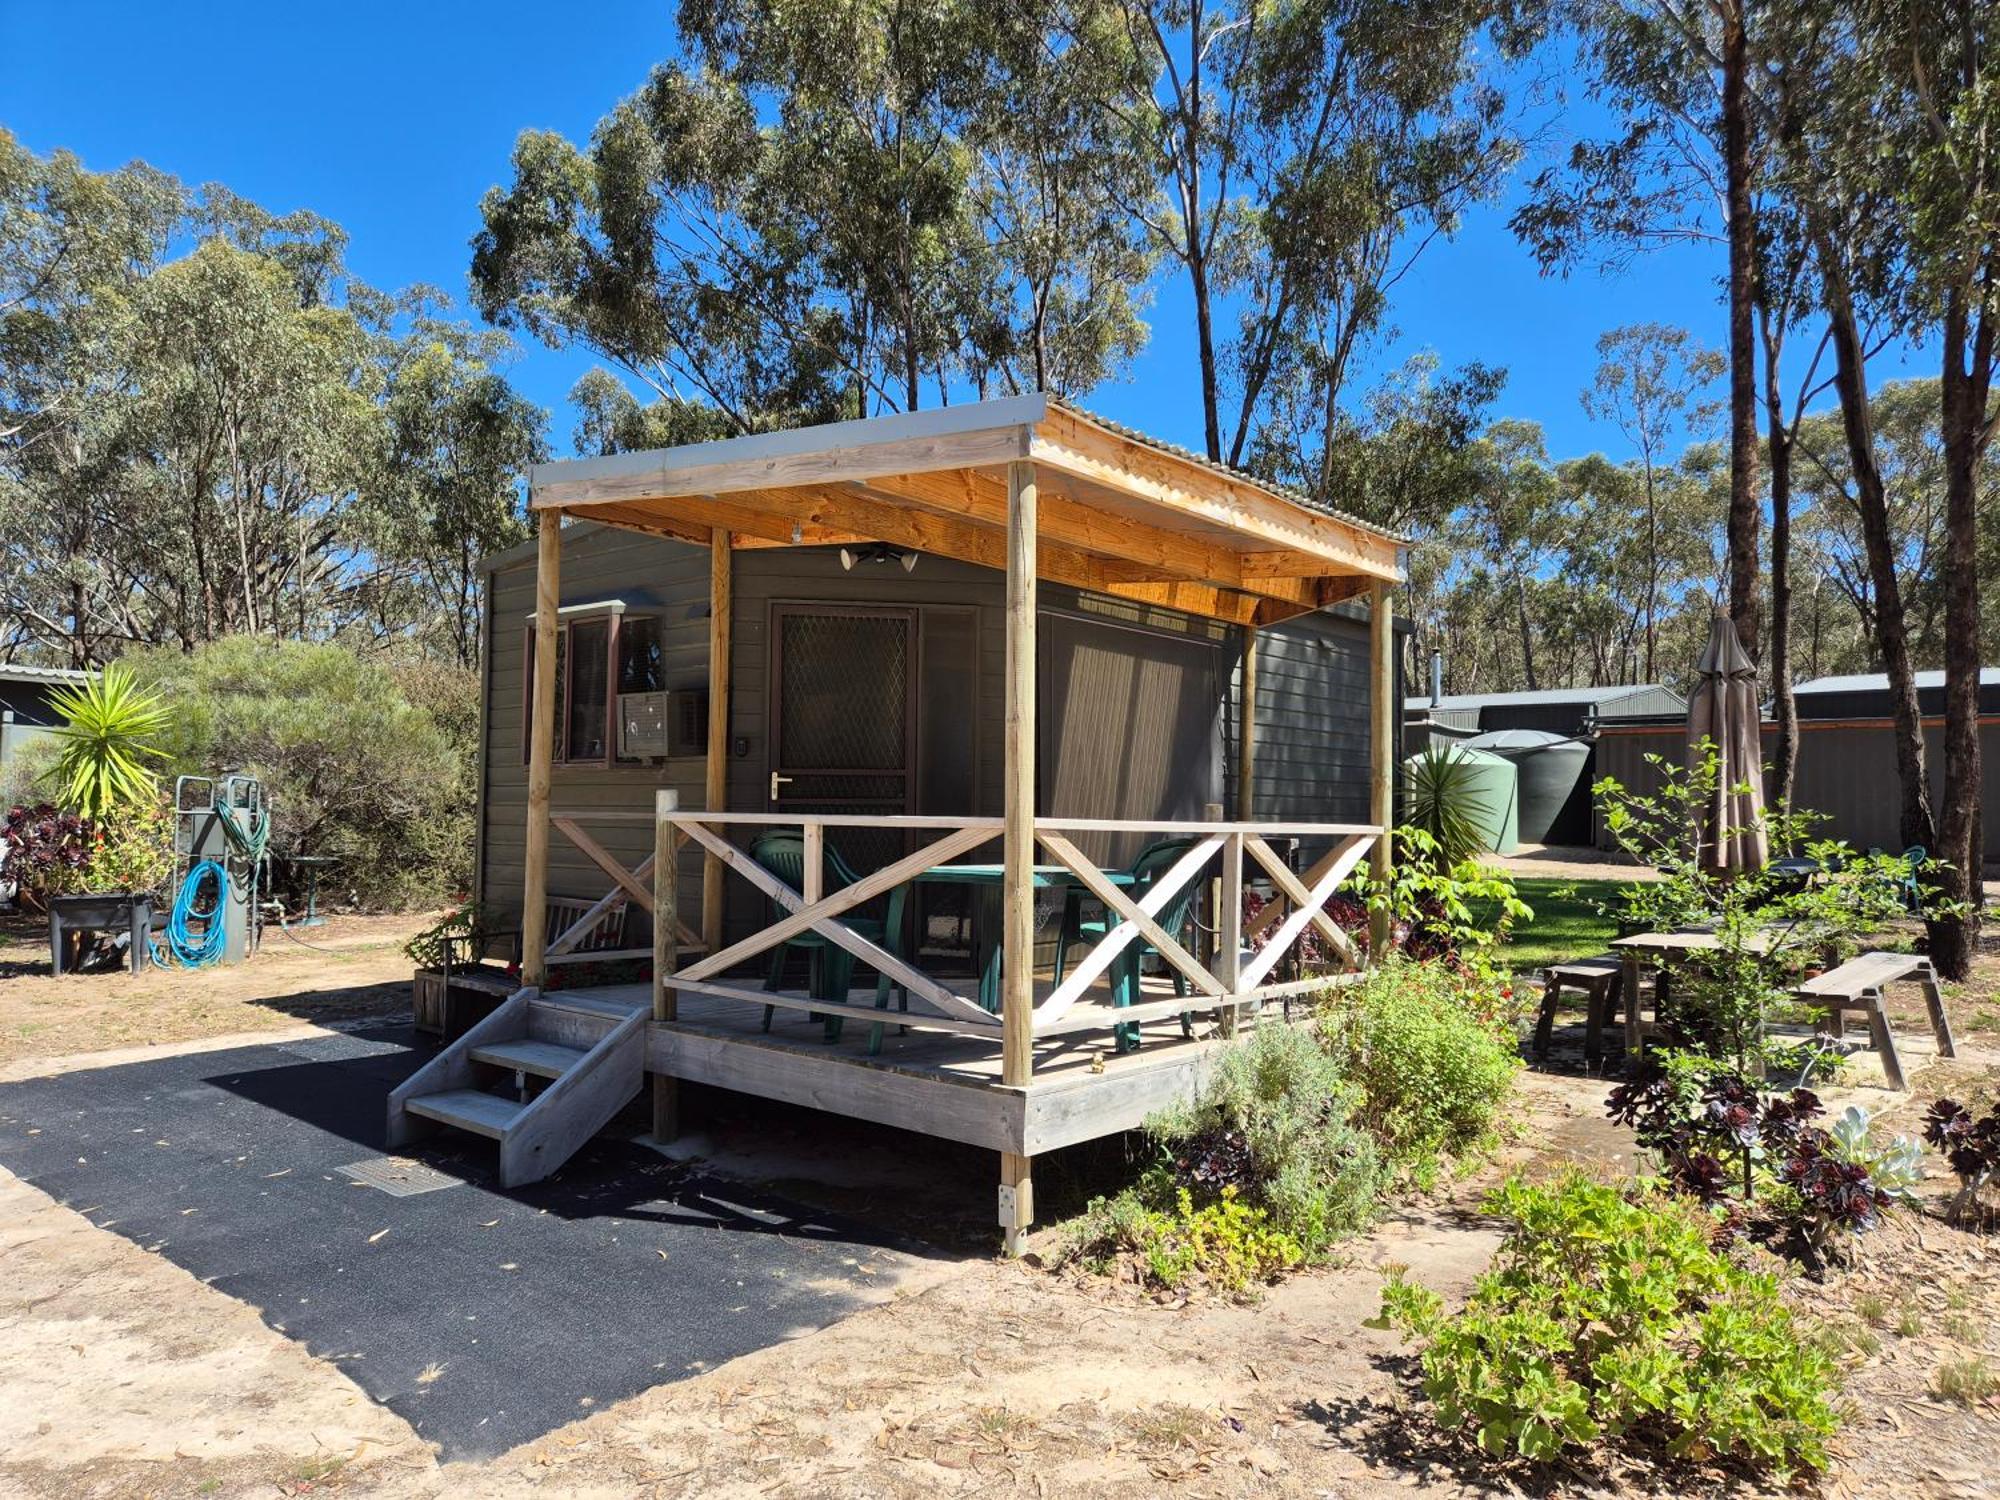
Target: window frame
{"type": "Point", "coordinates": [572, 615]}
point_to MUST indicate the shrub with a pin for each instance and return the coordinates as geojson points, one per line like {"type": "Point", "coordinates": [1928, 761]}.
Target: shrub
{"type": "Point", "coordinates": [1226, 1244]}
{"type": "Point", "coordinates": [1434, 1054]}
{"type": "Point", "coordinates": [1430, 900]}
{"type": "Point", "coordinates": [1275, 1123]}
{"type": "Point", "coordinates": [53, 853]}
{"type": "Point", "coordinates": [1970, 1143]}
{"type": "Point", "coordinates": [1608, 1315]}
{"type": "Point", "coordinates": [1258, 1176]}
{"type": "Point", "coordinates": [351, 766]}
{"type": "Point", "coordinates": [1717, 1138]}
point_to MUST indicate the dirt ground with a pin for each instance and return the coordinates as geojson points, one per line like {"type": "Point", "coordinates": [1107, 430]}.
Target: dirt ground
{"type": "Point", "coordinates": [351, 967]}
{"type": "Point", "coordinates": [120, 1374]}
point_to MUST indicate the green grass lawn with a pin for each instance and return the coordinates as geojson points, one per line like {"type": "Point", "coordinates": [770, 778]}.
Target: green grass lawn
{"type": "Point", "coordinates": [1566, 923]}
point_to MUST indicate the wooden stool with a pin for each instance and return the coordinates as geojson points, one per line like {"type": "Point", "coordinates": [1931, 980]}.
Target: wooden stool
{"type": "Point", "coordinates": [1858, 985]}
{"type": "Point", "coordinates": [1601, 980]}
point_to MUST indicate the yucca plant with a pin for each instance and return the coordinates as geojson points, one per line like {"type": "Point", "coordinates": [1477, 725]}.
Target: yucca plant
{"type": "Point", "coordinates": [1443, 801]}
{"type": "Point", "coordinates": [106, 740]}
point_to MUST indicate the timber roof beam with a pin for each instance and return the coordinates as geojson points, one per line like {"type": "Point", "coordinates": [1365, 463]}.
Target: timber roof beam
{"type": "Point", "coordinates": [1118, 514]}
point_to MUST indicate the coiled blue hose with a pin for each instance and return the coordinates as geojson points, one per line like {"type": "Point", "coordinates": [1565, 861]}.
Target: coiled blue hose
{"type": "Point", "coordinates": [182, 946]}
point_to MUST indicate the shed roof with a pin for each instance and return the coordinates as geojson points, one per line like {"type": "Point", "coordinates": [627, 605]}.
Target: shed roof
{"type": "Point", "coordinates": [22, 672]}
{"type": "Point", "coordinates": [1878, 682]}
{"type": "Point", "coordinates": [1597, 696]}
{"type": "Point", "coordinates": [1118, 512]}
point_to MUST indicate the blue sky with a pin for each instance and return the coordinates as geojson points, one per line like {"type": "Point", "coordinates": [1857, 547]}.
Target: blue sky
{"type": "Point", "coordinates": [393, 120]}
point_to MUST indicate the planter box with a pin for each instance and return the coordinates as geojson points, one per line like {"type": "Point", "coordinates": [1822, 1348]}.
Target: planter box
{"type": "Point", "coordinates": [450, 1004]}
{"type": "Point", "coordinates": [70, 917]}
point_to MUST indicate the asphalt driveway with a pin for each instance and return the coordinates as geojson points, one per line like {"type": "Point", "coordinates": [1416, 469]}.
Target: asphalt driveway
{"type": "Point", "coordinates": [484, 1318]}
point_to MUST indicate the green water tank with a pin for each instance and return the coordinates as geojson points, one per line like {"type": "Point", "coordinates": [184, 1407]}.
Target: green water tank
{"type": "Point", "coordinates": [1494, 794]}
{"type": "Point", "coordinates": [1554, 784]}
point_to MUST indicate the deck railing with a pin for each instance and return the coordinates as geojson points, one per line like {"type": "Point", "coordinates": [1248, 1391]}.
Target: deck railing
{"type": "Point", "coordinates": [1230, 980]}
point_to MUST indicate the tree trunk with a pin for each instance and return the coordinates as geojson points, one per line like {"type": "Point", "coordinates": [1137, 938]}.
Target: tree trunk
{"type": "Point", "coordinates": [1891, 630]}
{"type": "Point", "coordinates": [1954, 938]}
{"type": "Point", "coordinates": [1527, 632]}
{"type": "Point", "coordinates": [1743, 516]}
{"type": "Point", "coordinates": [1785, 767]}
{"type": "Point", "coordinates": [1205, 335]}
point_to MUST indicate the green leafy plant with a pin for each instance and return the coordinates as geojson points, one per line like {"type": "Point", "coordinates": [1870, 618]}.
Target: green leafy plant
{"type": "Point", "coordinates": [1227, 1244]}
{"type": "Point", "coordinates": [473, 920]}
{"type": "Point", "coordinates": [1768, 926]}
{"type": "Point", "coordinates": [1271, 1136]}
{"type": "Point", "coordinates": [1434, 1062]}
{"type": "Point", "coordinates": [105, 741]}
{"type": "Point", "coordinates": [1609, 1314]}
{"type": "Point", "coordinates": [1441, 795]}
{"type": "Point", "coordinates": [1435, 910]}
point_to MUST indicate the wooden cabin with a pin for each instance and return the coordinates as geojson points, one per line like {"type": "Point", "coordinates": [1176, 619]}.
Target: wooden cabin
{"type": "Point", "coordinates": [976, 660]}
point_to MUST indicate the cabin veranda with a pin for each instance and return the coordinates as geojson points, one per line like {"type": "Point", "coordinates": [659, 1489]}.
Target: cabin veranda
{"type": "Point", "coordinates": [929, 761]}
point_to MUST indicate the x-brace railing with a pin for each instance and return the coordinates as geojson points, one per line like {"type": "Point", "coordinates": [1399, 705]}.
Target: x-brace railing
{"type": "Point", "coordinates": [815, 911]}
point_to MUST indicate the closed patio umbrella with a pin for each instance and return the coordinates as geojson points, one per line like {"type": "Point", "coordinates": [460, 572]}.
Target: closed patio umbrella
{"type": "Point", "coordinates": [1725, 711]}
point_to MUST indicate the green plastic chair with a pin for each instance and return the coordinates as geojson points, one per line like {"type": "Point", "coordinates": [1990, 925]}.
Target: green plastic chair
{"type": "Point", "coordinates": [1177, 917]}
{"type": "Point", "coordinates": [830, 967]}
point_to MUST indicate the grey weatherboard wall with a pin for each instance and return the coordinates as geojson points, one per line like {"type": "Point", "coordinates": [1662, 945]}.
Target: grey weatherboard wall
{"type": "Point", "coordinates": [1137, 705]}
{"type": "Point", "coordinates": [1847, 770]}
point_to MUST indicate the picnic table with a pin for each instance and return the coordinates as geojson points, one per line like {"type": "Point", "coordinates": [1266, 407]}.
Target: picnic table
{"type": "Point", "coordinates": [1663, 951]}
{"type": "Point", "coordinates": [985, 882]}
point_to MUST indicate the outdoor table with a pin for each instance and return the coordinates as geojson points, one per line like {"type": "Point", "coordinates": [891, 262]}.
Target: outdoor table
{"type": "Point", "coordinates": [985, 882]}
{"type": "Point", "coordinates": [1662, 949]}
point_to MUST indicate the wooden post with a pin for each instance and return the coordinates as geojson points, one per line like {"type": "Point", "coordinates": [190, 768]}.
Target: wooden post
{"type": "Point", "coordinates": [666, 952]}
{"type": "Point", "coordinates": [1017, 1200]}
{"type": "Point", "coordinates": [1229, 929]}
{"type": "Point", "coordinates": [1211, 950]}
{"type": "Point", "coordinates": [1246, 730]}
{"type": "Point", "coordinates": [541, 752]}
{"type": "Point", "coordinates": [721, 593]}
{"type": "Point", "coordinates": [1017, 928]}
{"type": "Point", "coordinates": [1383, 712]}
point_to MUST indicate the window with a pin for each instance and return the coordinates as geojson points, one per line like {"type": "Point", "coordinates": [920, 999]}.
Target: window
{"type": "Point", "coordinates": [598, 657]}
{"type": "Point", "coordinates": [586, 714]}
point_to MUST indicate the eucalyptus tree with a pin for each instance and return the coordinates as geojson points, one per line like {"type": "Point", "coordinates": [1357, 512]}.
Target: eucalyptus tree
{"type": "Point", "coordinates": [1651, 384]}
{"type": "Point", "coordinates": [825, 211]}
{"type": "Point", "coordinates": [75, 247]}
{"type": "Point", "coordinates": [1884, 112]}
{"type": "Point", "coordinates": [208, 427]}
{"type": "Point", "coordinates": [457, 439]}
{"type": "Point", "coordinates": [257, 415]}
{"type": "Point", "coordinates": [1306, 154]}
{"type": "Point", "coordinates": [1063, 192]}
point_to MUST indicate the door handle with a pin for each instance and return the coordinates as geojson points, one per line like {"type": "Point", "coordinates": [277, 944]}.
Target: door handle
{"type": "Point", "coordinates": [776, 782]}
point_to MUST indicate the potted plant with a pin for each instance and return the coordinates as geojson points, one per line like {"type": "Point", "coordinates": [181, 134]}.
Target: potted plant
{"type": "Point", "coordinates": [95, 856]}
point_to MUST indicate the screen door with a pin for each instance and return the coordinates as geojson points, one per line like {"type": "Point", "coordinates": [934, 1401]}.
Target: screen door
{"type": "Point", "coordinates": [844, 710]}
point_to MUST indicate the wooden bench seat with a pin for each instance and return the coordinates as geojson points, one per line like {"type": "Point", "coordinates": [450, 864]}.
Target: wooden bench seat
{"type": "Point", "coordinates": [1600, 979]}
{"type": "Point", "coordinates": [1858, 985]}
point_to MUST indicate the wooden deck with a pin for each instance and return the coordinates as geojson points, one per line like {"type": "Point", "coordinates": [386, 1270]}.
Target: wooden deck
{"type": "Point", "coordinates": [932, 1082]}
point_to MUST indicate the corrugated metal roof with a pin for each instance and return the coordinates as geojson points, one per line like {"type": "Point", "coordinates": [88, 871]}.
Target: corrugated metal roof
{"type": "Point", "coordinates": [1592, 695]}
{"type": "Point", "coordinates": [21, 672]}
{"type": "Point", "coordinates": [1188, 455]}
{"type": "Point", "coordinates": [1878, 682]}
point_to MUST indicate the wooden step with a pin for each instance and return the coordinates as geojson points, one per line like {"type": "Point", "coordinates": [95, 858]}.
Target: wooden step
{"type": "Point", "coordinates": [468, 1109]}
{"type": "Point", "coordinates": [593, 1005]}
{"type": "Point", "coordinates": [543, 1059]}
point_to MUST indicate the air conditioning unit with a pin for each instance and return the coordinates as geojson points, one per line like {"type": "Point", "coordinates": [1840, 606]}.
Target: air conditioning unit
{"type": "Point", "coordinates": [655, 725]}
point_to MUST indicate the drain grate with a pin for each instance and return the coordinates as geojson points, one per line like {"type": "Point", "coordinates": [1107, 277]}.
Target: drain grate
{"type": "Point", "coordinates": [400, 1177]}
